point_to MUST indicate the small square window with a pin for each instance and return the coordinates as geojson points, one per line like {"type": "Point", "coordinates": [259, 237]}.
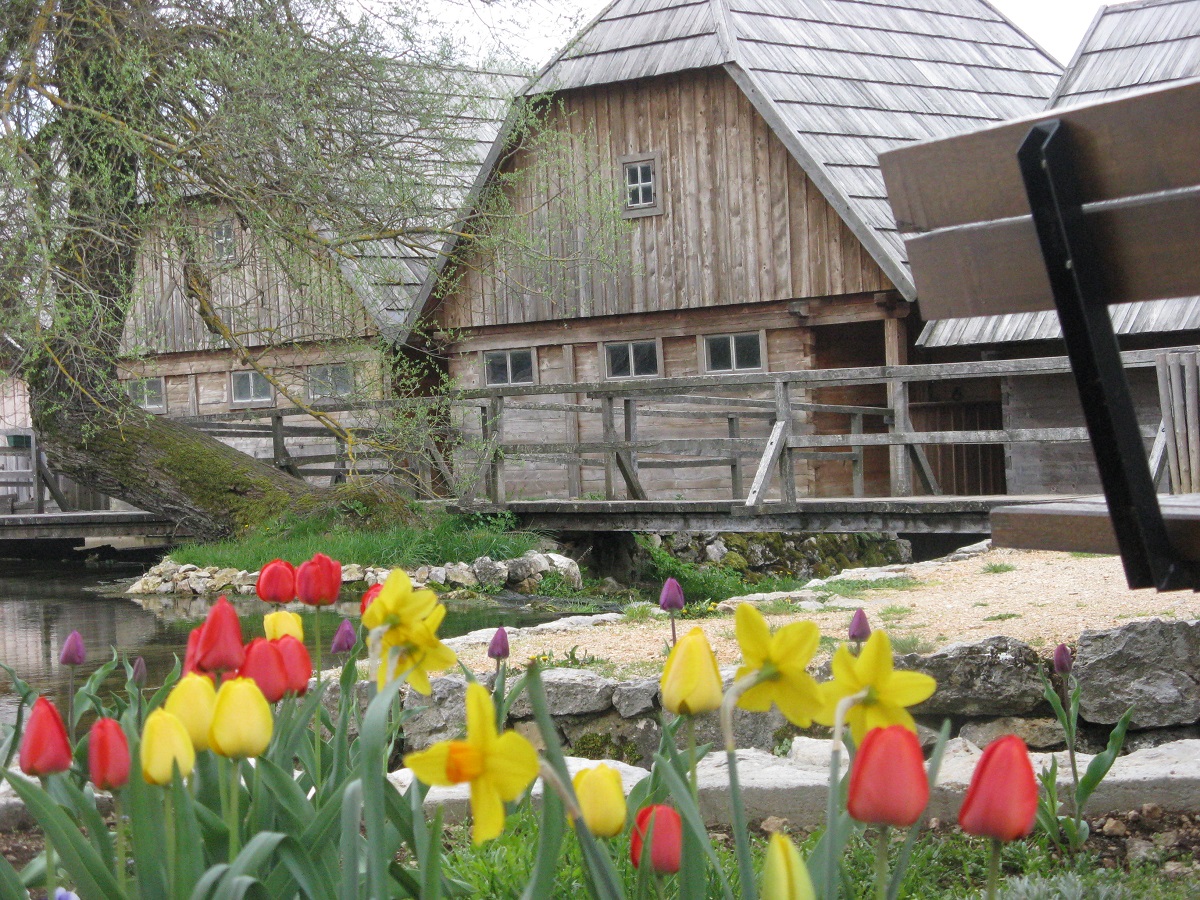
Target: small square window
{"type": "Point", "coordinates": [331, 381]}
{"type": "Point", "coordinates": [641, 185]}
{"type": "Point", "coordinates": [20, 441]}
{"type": "Point", "coordinates": [250, 388]}
{"type": "Point", "coordinates": [733, 352]}
{"type": "Point", "coordinates": [148, 393]}
{"type": "Point", "coordinates": [632, 359]}
{"type": "Point", "coordinates": [224, 241]}
{"type": "Point", "coordinates": [508, 366]}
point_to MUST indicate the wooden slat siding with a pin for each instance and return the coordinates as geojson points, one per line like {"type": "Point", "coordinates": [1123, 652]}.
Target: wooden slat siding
{"type": "Point", "coordinates": [780, 241]}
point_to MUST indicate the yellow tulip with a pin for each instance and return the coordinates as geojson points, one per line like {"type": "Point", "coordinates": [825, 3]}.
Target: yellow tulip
{"type": "Point", "coordinates": [165, 746]}
{"type": "Point", "coordinates": [192, 701]}
{"type": "Point", "coordinates": [241, 725]}
{"type": "Point", "coordinates": [498, 766]}
{"type": "Point", "coordinates": [601, 799]}
{"type": "Point", "coordinates": [888, 691]}
{"type": "Point", "coordinates": [784, 876]}
{"type": "Point", "coordinates": [277, 624]}
{"type": "Point", "coordinates": [784, 656]}
{"type": "Point", "coordinates": [691, 682]}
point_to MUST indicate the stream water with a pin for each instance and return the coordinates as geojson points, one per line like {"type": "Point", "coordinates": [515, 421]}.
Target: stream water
{"type": "Point", "coordinates": [41, 603]}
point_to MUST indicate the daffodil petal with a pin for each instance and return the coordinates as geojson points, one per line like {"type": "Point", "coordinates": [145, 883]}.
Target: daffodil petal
{"type": "Point", "coordinates": [759, 698]}
{"type": "Point", "coordinates": [874, 664]}
{"type": "Point", "coordinates": [512, 765]}
{"type": "Point", "coordinates": [881, 715]}
{"type": "Point", "coordinates": [418, 679]}
{"type": "Point", "coordinates": [794, 645]}
{"type": "Point", "coordinates": [429, 766]}
{"type": "Point", "coordinates": [487, 809]}
{"type": "Point", "coordinates": [753, 635]}
{"type": "Point", "coordinates": [798, 701]}
{"type": "Point", "coordinates": [909, 688]}
{"type": "Point", "coordinates": [481, 718]}
{"type": "Point", "coordinates": [844, 674]}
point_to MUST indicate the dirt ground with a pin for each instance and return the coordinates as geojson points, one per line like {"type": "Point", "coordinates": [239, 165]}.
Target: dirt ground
{"type": "Point", "coordinates": [1042, 598]}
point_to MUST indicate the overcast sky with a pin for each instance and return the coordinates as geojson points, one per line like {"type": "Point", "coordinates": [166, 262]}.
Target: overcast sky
{"type": "Point", "coordinates": [536, 29]}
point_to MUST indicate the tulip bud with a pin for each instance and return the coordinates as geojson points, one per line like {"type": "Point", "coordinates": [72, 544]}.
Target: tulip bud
{"type": "Point", "coordinates": [1002, 798]}
{"type": "Point", "coordinates": [369, 596]}
{"type": "Point", "coordinates": [691, 682]}
{"type": "Point", "coordinates": [784, 875]}
{"type": "Point", "coordinates": [277, 582]}
{"type": "Point", "coordinates": [670, 598]}
{"type": "Point", "coordinates": [297, 664]}
{"type": "Point", "coordinates": [498, 647]}
{"type": "Point", "coordinates": [192, 701]}
{"type": "Point", "coordinates": [277, 624]}
{"type": "Point", "coordinates": [1063, 660]}
{"type": "Point", "coordinates": [62, 893]}
{"type": "Point", "coordinates": [319, 580]}
{"type": "Point", "coordinates": [860, 628]}
{"type": "Point", "coordinates": [601, 799]}
{"type": "Point", "coordinates": [73, 651]}
{"type": "Point", "coordinates": [241, 725]}
{"type": "Point", "coordinates": [264, 666]}
{"type": "Point", "coordinates": [219, 647]}
{"type": "Point", "coordinates": [139, 672]}
{"type": "Point", "coordinates": [165, 747]}
{"type": "Point", "coordinates": [344, 638]}
{"type": "Point", "coordinates": [44, 745]}
{"type": "Point", "coordinates": [665, 829]}
{"type": "Point", "coordinates": [108, 755]}
{"type": "Point", "coordinates": [888, 785]}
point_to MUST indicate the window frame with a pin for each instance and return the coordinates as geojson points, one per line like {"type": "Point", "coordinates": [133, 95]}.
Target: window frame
{"type": "Point", "coordinates": [602, 356]}
{"type": "Point", "coordinates": [653, 157]}
{"type": "Point", "coordinates": [311, 379]}
{"type": "Point", "coordinates": [140, 384]}
{"type": "Point", "coordinates": [702, 352]}
{"type": "Point", "coordinates": [224, 247]}
{"type": "Point", "coordinates": [234, 403]}
{"type": "Point", "coordinates": [508, 351]}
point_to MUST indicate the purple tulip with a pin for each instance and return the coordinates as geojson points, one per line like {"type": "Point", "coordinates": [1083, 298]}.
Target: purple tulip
{"type": "Point", "coordinates": [139, 671]}
{"type": "Point", "coordinates": [860, 628]}
{"type": "Point", "coordinates": [498, 648]}
{"type": "Point", "coordinates": [671, 598]}
{"type": "Point", "coordinates": [73, 651]}
{"type": "Point", "coordinates": [1063, 660]}
{"type": "Point", "coordinates": [344, 638]}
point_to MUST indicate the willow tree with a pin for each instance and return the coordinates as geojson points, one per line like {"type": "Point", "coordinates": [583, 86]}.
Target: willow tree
{"type": "Point", "coordinates": [322, 134]}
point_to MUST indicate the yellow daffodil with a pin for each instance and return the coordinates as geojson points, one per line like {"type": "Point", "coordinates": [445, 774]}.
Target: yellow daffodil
{"type": "Point", "coordinates": [403, 624]}
{"type": "Point", "coordinates": [192, 701]}
{"type": "Point", "coordinates": [165, 746]}
{"type": "Point", "coordinates": [601, 799]}
{"type": "Point", "coordinates": [277, 624]}
{"type": "Point", "coordinates": [498, 766]}
{"type": "Point", "coordinates": [691, 682]}
{"type": "Point", "coordinates": [888, 691]}
{"type": "Point", "coordinates": [784, 656]}
{"type": "Point", "coordinates": [785, 877]}
{"type": "Point", "coordinates": [241, 724]}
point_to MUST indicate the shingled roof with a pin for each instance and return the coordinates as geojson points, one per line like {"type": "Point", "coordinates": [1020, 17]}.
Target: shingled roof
{"type": "Point", "coordinates": [838, 80]}
{"type": "Point", "coordinates": [1129, 47]}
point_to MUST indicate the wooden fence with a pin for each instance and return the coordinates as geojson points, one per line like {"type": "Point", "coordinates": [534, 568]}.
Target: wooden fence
{"type": "Point", "coordinates": [26, 487]}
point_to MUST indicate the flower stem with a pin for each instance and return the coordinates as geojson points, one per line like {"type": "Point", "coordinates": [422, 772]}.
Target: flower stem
{"type": "Point", "coordinates": [70, 707]}
{"type": "Point", "coordinates": [169, 824]}
{"type": "Point", "coordinates": [673, 640]}
{"type": "Point", "coordinates": [881, 864]}
{"type": "Point", "coordinates": [741, 831]}
{"type": "Point", "coordinates": [835, 779]}
{"type": "Point", "coordinates": [993, 870]}
{"type": "Point", "coordinates": [317, 717]}
{"type": "Point", "coordinates": [120, 841]}
{"type": "Point", "coordinates": [691, 738]}
{"type": "Point", "coordinates": [231, 810]}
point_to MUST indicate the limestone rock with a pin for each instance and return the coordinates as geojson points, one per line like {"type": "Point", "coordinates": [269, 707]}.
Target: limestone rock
{"type": "Point", "coordinates": [459, 573]}
{"type": "Point", "coordinates": [352, 572]}
{"type": "Point", "coordinates": [716, 551]}
{"type": "Point", "coordinates": [441, 716]}
{"type": "Point", "coordinates": [529, 586]}
{"type": "Point", "coordinates": [525, 567]}
{"type": "Point", "coordinates": [147, 584]}
{"type": "Point", "coordinates": [750, 729]}
{"type": "Point", "coordinates": [489, 572]}
{"type": "Point", "coordinates": [770, 787]}
{"type": "Point", "coordinates": [633, 740]}
{"type": "Point", "coordinates": [999, 676]}
{"type": "Point", "coordinates": [1148, 665]}
{"type": "Point", "coordinates": [225, 578]}
{"type": "Point", "coordinates": [437, 575]}
{"type": "Point", "coordinates": [567, 568]}
{"type": "Point", "coordinates": [570, 692]}
{"type": "Point", "coordinates": [1040, 734]}
{"type": "Point", "coordinates": [632, 698]}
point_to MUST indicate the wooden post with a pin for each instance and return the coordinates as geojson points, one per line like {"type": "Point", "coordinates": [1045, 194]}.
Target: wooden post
{"type": "Point", "coordinates": [856, 460]}
{"type": "Point", "coordinates": [735, 468]}
{"type": "Point", "coordinates": [787, 467]}
{"type": "Point", "coordinates": [610, 455]}
{"type": "Point", "coordinates": [283, 459]}
{"type": "Point", "coordinates": [574, 466]}
{"type": "Point", "coordinates": [1162, 367]}
{"type": "Point", "coordinates": [895, 352]}
{"type": "Point", "coordinates": [630, 416]}
{"type": "Point", "coordinates": [39, 500]}
{"type": "Point", "coordinates": [495, 413]}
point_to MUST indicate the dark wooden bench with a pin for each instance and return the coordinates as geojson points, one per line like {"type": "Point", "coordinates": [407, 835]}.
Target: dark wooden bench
{"type": "Point", "coordinates": [1073, 209]}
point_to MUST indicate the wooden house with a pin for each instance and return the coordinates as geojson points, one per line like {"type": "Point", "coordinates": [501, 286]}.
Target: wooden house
{"type": "Point", "coordinates": [737, 142]}
{"type": "Point", "coordinates": [1128, 47]}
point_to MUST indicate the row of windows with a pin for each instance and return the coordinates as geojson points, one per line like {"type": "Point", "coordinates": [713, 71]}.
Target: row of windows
{"type": "Point", "coordinates": [634, 359]}
{"type": "Point", "coordinates": [250, 388]}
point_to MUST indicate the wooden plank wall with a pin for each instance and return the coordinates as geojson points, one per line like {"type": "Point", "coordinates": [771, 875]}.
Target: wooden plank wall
{"type": "Point", "coordinates": [741, 221]}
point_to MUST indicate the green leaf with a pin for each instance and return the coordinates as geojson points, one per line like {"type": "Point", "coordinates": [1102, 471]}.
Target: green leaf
{"type": "Point", "coordinates": [10, 881]}
{"type": "Point", "coordinates": [350, 843]}
{"type": "Point", "coordinates": [144, 805]}
{"type": "Point", "coordinates": [1102, 762]}
{"type": "Point", "coordinates": [206, 885]}
{"type": "Point", "coordinates": [160, 696]}
{"type": "Point", "coordinates": [550, 838]}
{"type": "Point", "coordinates": [189, 840]}
{"type": "Point", "coordinates": [373, 768]}
{"type": "Point", "coordinates": [64, 792]}
{"type": "Point", "coordinates": [681, 793]}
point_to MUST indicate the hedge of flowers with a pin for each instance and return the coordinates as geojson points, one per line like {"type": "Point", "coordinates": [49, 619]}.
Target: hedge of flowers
{"type": "Point", "coordinates": [234, 779]}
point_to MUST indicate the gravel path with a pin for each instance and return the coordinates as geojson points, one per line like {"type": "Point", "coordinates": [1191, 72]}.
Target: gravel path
{"type": "Point", "coordinates": [1039, 597]}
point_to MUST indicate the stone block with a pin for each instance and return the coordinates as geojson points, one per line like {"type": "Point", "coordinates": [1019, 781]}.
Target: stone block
{"type": "Point", "coordinates": [570, 692]}
{"type": "Point", "coordinates": [1039, 734]}
{"type": "Point", "coordinates": [999, 676]}
{"type": "Point", "coordinates": [633, 698]}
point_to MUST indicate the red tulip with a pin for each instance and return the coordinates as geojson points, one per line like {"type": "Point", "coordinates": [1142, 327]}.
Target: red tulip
{"type": "Point", "coordinates": [666, 838]}
{"type": "Point", "coordinates": [108, 755]}
{"type": "Point", "coordinates": [277, 582]}
{"type": "Point", "coordinates": [369, 597]}
{"type": "Point", "coordinates": [219, 647]}
{"type": "Point", "coordinates": [297, 664]}
{"type": "Point", "coordinates": [193, 647]}
{"type": "Point", "coordinates": [264, 664]}
{"type": "Point", "coordinates": [1002, 798]}
{"type": "Point", "coordinates": [888, 785]}
{"type": "Point", "coordinates": [44, 746]}
{"type": "Point", "coordinates": [319, 580]}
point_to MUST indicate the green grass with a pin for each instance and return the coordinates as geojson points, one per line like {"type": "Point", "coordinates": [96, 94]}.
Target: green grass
{"type": "Point", "coordinates": [894, 613]}
{"type": "Point", "coordinates": [638, 611]}
{"type": "Point", "coordinates": [852, 587]}
{"type": "Point", "coordinates": [998, 568]}
{"type": "Point", "coordinates": [910, 643]}
{"type": "Point", "coordinates": [780, 607]}
{"type": "Point", "coordinates": [439, 538]}
{"type": "Point", "coordinates": [1002, 617]}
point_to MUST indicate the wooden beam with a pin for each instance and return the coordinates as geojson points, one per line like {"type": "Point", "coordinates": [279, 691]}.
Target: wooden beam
{"type": "Point", "coordinates": [770, 457]}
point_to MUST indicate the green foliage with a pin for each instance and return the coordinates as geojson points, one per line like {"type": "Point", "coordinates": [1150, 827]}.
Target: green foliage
{"type": "Point", "coordinates": [639, 611]}
{"type": "Point", "coordinates": [895, 612]}
{"type": "Point", "coordinates": [910, 643]}
{"type": "Point", "coordinates": [1002, 617]}
{"type": "Point", "coordinates": [852, 588]}
{"type": "Point", "coordinates": [995, 568]}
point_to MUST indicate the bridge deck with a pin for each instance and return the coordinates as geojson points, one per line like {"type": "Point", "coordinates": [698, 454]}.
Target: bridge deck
{"type": "Point", "coordinates": [79, 525]}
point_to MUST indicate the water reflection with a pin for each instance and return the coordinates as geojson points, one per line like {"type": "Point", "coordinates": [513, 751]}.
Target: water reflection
{"type": "Point", "coordinates": [40, 604]}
